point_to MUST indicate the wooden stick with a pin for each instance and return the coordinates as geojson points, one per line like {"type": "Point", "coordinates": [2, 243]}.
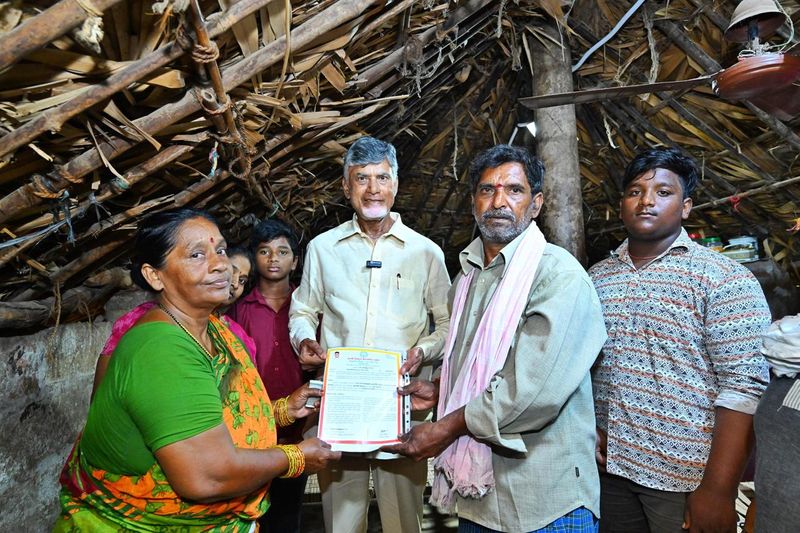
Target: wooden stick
{"type": "Point", "coordinates": [374, 73]}
{"type": "Point", "coordinates": [52, 119]}
{"type": "Point", "coordinates": [179, 200]}
{"type": "Point", "coordinates": [25, 197]}
{"type": "Point", "coordinates": [133, 176]}
{"type": "Point", "coordinates": [97, 253]}
{"type": "Point", "coordinates": [750, 192]}
{"type": "Point", "coordinates": [212, 68]}
{"type": "Point", "coordinates": [50, 24]}
{"type": "Point", "coordinates": [74, 302]}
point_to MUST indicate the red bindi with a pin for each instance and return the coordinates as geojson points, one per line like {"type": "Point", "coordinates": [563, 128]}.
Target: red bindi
{"type": "Point", "coordinates": [211, 240]}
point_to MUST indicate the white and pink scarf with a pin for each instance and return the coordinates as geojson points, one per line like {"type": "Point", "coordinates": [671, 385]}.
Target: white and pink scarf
{"type": "Point", "coordinates": [465, 467]}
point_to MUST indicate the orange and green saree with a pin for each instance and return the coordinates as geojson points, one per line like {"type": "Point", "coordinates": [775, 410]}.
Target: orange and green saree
{"type": "Point", "coordinates": [97, 500]}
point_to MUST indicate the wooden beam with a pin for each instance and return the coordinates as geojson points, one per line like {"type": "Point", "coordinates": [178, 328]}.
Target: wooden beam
{"type": "Point", "coordinates": [599, 94]}
{"type": "Point", "coordinates": [50, 24]}
{"type": "Point", "coordinates": [22, 315]}
{"type": "Point", "coordinates": [557, 144]}
{"type": "Point", "coordinates": [376, 72]}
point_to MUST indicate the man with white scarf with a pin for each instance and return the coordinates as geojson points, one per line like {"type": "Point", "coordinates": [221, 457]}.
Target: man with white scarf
{"type": "Point", "coordinates": [515, 435]}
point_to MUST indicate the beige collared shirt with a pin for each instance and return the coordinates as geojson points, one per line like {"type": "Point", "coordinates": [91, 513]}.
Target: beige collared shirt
{"type": "Point", "coordinates": [537, 412]}
{"type": "Point", "coordinates": [386, 307]}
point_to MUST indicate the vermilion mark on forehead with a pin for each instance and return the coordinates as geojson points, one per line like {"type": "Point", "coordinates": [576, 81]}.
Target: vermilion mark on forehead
{"type": "Point", "coordinates": [211, 240]}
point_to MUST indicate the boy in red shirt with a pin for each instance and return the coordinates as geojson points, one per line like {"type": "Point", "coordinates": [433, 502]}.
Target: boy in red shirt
{"type": "Point", "coordinates": [264, 315]}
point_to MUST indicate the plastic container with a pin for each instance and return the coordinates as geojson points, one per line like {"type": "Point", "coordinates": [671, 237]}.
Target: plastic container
{"type": "Point", "coordinates": [743, 249]}
{"type": "Point", "coordinates": [712, 243]}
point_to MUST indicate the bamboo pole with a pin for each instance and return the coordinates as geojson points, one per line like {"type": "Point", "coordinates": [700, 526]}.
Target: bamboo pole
{"type": "Point", "coordinates": [750, 192]}
{"type": "Point", "coordinates": [379, 21]}
{"type": "Point", "coordinates": [25, 197]}
{"type": "Point", "coordinates": [212, 68]}
{"type": "Point", "coordinates": [59, 277]}
{"type": "Point", "coordinates": [120, 218]}
{"type": "Point", "coordinates": [50, 24]}
{"type": "Point", "coordinates": [52, 119]}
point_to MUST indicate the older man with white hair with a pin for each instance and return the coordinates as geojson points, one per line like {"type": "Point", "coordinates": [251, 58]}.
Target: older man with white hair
{"type": "Point", "coordinates": [375, 282]}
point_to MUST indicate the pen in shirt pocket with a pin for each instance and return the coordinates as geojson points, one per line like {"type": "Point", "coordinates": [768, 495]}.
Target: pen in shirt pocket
{"type": "Point", "coordinates": [398, 281]}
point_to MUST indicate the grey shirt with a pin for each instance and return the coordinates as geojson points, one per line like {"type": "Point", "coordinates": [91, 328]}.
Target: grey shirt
{"type": "Point", "coordinates": [537, 413]}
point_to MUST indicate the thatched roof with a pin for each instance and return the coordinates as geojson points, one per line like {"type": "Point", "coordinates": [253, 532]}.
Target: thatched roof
{"type": "Point", "coordinates": [440, 80]}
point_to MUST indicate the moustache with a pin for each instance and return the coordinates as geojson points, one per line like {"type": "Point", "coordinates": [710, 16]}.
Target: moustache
{"type": "Point", "coordinates": [497, 213]}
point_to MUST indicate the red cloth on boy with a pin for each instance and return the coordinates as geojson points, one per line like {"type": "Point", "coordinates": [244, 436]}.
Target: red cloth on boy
{"type": "Point", "coordinates": [275, 359]}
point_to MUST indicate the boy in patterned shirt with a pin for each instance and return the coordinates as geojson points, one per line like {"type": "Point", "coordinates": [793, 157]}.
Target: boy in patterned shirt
{"type": "Point", "coordinates": [680, 375]}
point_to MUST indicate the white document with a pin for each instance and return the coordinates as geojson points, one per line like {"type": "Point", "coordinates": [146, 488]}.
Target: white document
{"type": "Point", "coordinates": [361, 409]}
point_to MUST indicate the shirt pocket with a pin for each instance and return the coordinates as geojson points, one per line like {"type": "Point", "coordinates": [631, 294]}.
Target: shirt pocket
{"type": "Point", "coordinates": [405, 302]}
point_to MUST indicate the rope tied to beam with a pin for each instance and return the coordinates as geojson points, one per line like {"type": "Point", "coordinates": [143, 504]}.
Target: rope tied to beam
{"type": "Point", "coordinates": [183, 37]}
{"type": "Point", "coordinates": [43, 187]}
{"type": "Point", "coordinates": [254, 183]}
{"type": "Point", "coordinates": [94, 202]}
{"type": "Point", "coordinates": [200, 54]}
{"type": "Point", "coordinates": [242, 163]}
{"type": "Point", "coordinates": [216, 108]}
{"type": "Point", "coordinates": [64, 204]}
{"type": "Point", "coordinates": [205, 54]}
{"type": "Point", "coordinates": [414, 56]}
{"type": "Point", "coordinates": [735, 200]}
{"type": "Point", "coordinates": [62, 208]}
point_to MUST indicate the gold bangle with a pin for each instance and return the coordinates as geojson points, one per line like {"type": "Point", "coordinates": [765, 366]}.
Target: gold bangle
{"type": "Point", "coordinates": [282, 415]}
{"type": "Point", "coordinates": [297, 460]}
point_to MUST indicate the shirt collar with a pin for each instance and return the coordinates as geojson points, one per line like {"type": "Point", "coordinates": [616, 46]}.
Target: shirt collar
{"type": "Point", "coordinates": [472, 255]}
{"type": "Point", "coordinates": [681, 244]}
{"type": "Point", "coordinates": [398, 230]}
{"type": "Point", "coordinates": [255, 296]}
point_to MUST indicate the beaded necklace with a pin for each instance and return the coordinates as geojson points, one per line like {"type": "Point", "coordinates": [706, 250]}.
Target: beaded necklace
{"type": "Point", "coordinates": [178, 322]}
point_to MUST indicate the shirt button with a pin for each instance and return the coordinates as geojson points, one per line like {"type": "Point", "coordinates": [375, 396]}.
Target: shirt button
{"type": "Point", "coordinates": [276, 343]}
{"type": "Point", "coordinates": [277, 369]}
{"type": "Point", "coordinates": [368, 343]}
